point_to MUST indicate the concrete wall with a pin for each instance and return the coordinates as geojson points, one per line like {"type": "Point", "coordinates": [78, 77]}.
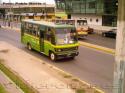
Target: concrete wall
{"type": "Point", "coordinates": [91, 19]}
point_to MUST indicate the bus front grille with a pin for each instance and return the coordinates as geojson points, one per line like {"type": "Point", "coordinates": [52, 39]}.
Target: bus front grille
{"type": "Point", "coordinates": [69, 49]}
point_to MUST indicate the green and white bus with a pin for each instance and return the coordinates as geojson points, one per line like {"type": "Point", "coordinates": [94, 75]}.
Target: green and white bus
{"type": "Point", "coordinates": [52, 39]}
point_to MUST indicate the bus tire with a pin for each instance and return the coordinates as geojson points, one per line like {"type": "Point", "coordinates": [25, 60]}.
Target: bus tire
{"type": "Point", "coordinates": [73, 57]}
{"type": "Point", "coordinates": [52, 56]}
{"type": "Point", "coordinates": [29, 46]}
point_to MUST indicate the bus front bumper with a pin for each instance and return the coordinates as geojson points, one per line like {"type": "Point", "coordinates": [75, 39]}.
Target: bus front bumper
{"type": "Point", "coordinates": [66, 55]}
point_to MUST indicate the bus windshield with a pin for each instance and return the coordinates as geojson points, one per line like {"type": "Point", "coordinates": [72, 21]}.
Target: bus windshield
{"type": "Point", "coordinates": [65, 36]}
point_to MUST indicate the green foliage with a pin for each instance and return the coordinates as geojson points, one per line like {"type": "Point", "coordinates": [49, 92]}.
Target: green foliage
{"type": "Point", "coordinates": [80, 91]}
{"type": "Point", "coordinates": [17, 80]}
{"type": "Point", "coordinates": [2, 89]}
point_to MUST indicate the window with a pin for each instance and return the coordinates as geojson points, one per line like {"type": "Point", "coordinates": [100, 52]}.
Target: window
{"type": "Point", "coordinates": [90, 19]}
{"type": "Point", "coordinates": [26, 27]}
{"type": "Point", "coordinates": [65, 36]}
{"type": "Point", "coordinates": [30, 26]}
{"type": "Point", "coordinates": [48, 34]}
{"type": "Point", "coordinates": [92, 5]}
{"type": "Point", "coordinates": [97, 20]}
{"type": "Point", "coordinates": [35, 30]}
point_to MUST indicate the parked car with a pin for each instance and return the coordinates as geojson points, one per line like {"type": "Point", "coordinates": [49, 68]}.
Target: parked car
{"type": "Point", "coordinates": [81, 33]}
{"type": "Point", "coordinates": [90, 30]}
{"type": "Point", "coordinates": [83, 24]}
{"type": "Point", "coordinates": [111, 33]}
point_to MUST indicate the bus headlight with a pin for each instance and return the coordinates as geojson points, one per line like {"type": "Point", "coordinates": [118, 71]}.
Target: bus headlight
{"type": "Point", "coordinates": [58, 50]}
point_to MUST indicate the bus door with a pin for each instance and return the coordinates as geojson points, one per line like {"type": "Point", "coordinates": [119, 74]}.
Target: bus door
{"type": "Point", "coordinates": [42, 37]}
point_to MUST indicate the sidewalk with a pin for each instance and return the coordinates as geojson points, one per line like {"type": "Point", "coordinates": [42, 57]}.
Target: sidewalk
{"type": "Point", "coordinates": [45, 78]}
{"type": "Point", "coordinates": [13, 25]}
{"type": "Point", "coordinates": [8, 84]}
{"type": "Point", "coordinates": [33, 70]}
{"type": "Point", "coordinates": [11, 28]}
{"type": "Point", "coordinates": [99, 29]}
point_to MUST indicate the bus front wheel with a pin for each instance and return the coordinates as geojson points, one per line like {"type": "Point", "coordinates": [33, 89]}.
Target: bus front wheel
{"type": "Point", "coordinates": [73, 57]}
{"type": "Point", "coordinates": [52, 56]}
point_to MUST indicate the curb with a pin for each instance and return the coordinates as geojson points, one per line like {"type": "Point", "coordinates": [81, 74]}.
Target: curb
{"type": "Point", "coordinates": [83, 82]}
{"type": "Point", "coordinates": [9, 80]}
{"type": "Point", "coordinates": [11, 28]}
{"type": "Point", "coordinates": [18, 77]}
{"type": "Point", "coordinates": [97, 47]}
{"type": "Point", "coordinates": [62, 71]}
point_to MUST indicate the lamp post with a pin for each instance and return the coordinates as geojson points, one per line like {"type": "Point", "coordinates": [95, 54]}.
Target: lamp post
{"type": "Point", "coordinates": [119, 73]}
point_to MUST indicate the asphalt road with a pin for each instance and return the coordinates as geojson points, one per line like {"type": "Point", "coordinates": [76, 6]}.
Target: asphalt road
{"type": "Point", "coordinates": [92, 66]}
{"type": "Point", "coordinates": [91, 38]}
{"type": "Point", "coordinates": [98, 39]}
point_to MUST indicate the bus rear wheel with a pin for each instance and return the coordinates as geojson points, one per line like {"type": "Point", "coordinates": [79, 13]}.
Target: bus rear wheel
{"type": "Point", "coordinates": [29, 47]}
{"type": "Point", "coordinates": [52, 56]}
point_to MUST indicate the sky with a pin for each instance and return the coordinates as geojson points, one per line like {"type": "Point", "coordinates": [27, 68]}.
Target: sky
{"type": "Point", "coordinates": [42, 1]}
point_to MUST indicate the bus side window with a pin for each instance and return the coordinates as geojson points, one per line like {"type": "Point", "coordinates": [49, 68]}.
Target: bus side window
{"type": "Point", "coordinates": [23, 28]}
{"type": "Point", "coordinates": [53, 36]}
{"type": "Point", "coordinates": [26, 27]}
{"type": "Point", "coordinates": [30, 27]}
{"type": "Point", "coordinates": [48, 34]}
{"type": "Point", "coordinates": [38, 33]}
{"type": "Point", "coordinates": [35, 30]}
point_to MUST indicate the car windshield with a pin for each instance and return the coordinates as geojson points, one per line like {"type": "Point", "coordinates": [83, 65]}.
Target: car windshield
{"type": "Point", "coordinates": [65, 36]}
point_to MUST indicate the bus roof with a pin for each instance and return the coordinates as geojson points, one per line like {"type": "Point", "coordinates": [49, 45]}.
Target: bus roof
{"type": "Point", "coordinates": [46, 23]}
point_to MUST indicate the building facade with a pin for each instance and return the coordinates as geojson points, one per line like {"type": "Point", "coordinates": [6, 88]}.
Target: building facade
{"type": "Point", "coordinates": [19, 11]}
{"type": "Point", "coordinates": [96, 12]}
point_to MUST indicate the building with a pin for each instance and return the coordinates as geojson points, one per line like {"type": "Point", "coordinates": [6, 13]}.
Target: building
{"type": "Point", "coordinates": [19, 11]}
{"type": "Point", "coordinates": [96, 12]}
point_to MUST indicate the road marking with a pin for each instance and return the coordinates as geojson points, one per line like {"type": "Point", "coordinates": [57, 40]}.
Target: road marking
{"type": "Point", "coordinates": [84, 82]}
{"type": "Point", "coordinates": [97, 47]}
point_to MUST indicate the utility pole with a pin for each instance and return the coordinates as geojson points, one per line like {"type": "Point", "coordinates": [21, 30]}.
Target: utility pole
{"type": "Point", "coordinates": [0, 1]}
{"type": "Point", "coordinates": [119, 73]}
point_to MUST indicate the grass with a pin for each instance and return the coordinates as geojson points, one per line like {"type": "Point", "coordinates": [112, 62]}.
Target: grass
{"type": "Point", "coordinates": [67, 76]}
{"type": "Point", "coordinates": [2, 89]}
{"type": "Point", "coordinates": [75, 79]}
{"type": "Point", "coordinates": [80, 91]}
{"type": "Point", "coordinates": [96, 91]}
{"type": "Point", "coordinates": [17, 80]}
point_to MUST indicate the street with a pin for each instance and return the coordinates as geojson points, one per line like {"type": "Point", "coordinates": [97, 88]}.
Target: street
{"type": "Point", "coordinates": [90, 38]}
{"type": "Point", "coordinates": [92, 66]}
{"type": "Point", "coordinates": [98, 39]}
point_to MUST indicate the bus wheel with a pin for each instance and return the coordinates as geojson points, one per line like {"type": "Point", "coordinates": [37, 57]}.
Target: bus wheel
{"type": "Point", "coordinates": [29, 47]}
{"type": "Point", "coordinates": [52, 56]}
{"type": "Point", "coordinates": [73, 57]}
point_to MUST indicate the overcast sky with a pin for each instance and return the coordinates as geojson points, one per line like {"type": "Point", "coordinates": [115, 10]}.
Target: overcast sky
{"type": "Point", "coordinates": [42, 1]}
